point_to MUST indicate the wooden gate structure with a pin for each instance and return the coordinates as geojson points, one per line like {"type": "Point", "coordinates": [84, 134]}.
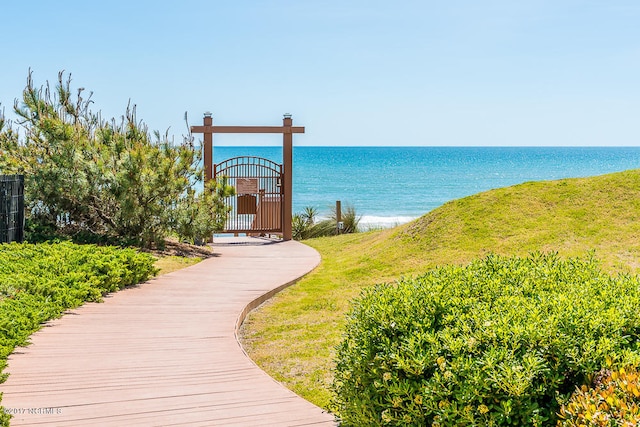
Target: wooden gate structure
{"type": "Point", "coordinates": [263, 200]}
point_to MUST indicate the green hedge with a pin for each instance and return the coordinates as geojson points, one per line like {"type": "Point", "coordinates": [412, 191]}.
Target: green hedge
{"type": "Point", "coordinates": [39, 282]}
{"type": "Point", "coordinates": [501, 342]}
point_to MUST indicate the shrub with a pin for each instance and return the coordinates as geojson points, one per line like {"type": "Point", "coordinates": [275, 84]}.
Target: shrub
{"type": "Point", "coordinates": [500, 342]}
{"type": "Point", "coordinates": [198, 216]}
{"type": "Point", "coordinates": [303, 222]}
{"type": "Point", "coordinates": [614, 400]}
{"type": "Point", "coordinates": [350, 220]}
{"type": "Point", "coordinates": [306, 226]}
{"type": "Point", "coordinates": [92, 176]}
{"type": "Point", "coordinates": [40, 282]}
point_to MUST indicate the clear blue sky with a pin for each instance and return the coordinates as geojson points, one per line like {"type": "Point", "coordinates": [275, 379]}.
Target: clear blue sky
{"type": "Point", "coordinates": [354, 72]}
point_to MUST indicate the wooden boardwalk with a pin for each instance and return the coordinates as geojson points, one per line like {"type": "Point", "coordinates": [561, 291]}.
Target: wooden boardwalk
{"type": "Point", "coordinates": [164, 353]}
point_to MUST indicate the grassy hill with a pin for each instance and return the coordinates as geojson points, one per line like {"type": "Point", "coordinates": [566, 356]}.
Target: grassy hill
{"type": "Point", "coordinates": [293, 336]}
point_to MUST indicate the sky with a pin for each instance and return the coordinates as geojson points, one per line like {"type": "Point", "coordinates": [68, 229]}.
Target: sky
{"type": "Point", "coordinates": [353, 72]}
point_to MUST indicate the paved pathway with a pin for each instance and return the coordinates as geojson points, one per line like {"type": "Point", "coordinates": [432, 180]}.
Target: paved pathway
{"type": "Point", "coordinates": [164, 353]}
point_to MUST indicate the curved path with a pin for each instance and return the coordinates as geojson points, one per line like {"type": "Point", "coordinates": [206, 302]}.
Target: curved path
{"type": "Point", "coordinates": [164, 353]}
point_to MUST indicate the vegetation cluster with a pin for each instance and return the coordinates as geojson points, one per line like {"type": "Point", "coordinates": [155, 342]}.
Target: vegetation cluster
{"type": "Point", "coordinates": [503, 341]}
{"type": "Point", "coordinates": [486, 340]}
{"type": "Point", "coordinates": [39, 282]}
{"type": "Point", "coordinates": [295, 335]}
{"type": "Point", "coordinates": [85, 176]}
{"type": "Point", "coordinates": [612, 400]}
{"type": "Point", "coordinates": [306, 225]}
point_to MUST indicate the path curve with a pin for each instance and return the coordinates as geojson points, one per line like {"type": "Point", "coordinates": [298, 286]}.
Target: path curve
{"type": "Point", "coordinates": [164, 353]}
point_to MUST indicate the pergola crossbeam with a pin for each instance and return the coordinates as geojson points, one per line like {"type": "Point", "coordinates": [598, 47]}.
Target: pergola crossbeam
{"type": "Point", "coordinates": [247, 129]}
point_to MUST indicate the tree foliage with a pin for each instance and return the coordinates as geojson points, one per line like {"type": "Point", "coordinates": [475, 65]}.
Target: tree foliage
{"type": "Point", "coordinates": [200, 215]}
{"type": "Point", "coordinates": [107, 177]}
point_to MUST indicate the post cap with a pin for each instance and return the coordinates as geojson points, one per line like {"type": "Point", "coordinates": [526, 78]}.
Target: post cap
{"type": "Point", "coordinates": [207, 114]}
{"type": "Point", "coordinates": [287, 115]}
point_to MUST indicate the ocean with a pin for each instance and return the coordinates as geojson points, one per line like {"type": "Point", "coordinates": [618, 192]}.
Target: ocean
{"type": "Point", "coordinates": [388, 186]}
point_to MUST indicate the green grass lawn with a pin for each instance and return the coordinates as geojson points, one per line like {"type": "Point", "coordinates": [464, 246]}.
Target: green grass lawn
{"type": "Point", "coordinates": [167, 264]}
{"type": "Point", "coordinates": [293, 336]}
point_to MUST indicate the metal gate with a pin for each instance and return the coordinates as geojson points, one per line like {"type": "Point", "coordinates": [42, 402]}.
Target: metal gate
{"type": "Point", "coordinates": [257, 207]}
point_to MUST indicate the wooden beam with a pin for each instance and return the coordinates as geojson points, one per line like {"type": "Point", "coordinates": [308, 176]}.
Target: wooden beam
{"type": "Point", "coordinates": [247, 129]}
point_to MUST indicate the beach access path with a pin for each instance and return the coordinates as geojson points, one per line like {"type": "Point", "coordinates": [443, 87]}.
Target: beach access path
{"type": "Point", "coordinates": [165, 353]}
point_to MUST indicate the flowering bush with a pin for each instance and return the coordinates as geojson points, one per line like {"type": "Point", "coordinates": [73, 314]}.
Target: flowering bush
{"type": "Point", "coordinates": [501, 342]}
{"type": "Point", "coordinates": [614, 400]}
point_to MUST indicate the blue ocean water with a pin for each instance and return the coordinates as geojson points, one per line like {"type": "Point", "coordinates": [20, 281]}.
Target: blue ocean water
{"type": "Point", "coordinates": [392, 185]}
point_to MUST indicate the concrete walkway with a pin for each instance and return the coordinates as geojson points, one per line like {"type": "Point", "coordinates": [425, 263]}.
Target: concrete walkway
{"type": "Point", "coordinates": [164, 353]}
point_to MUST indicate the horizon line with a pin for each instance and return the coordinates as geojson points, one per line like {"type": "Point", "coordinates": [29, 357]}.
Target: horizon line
{"type": "Point", "coordinates": [429, 146]}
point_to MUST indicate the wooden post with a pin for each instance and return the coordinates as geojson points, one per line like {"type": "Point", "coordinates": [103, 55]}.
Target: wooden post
{"type": "Point", "coordinates": [287, 164]}
{"type": "Point", "coordinates": [208, 147]}
{"type": "Point", "coordinates": [338, 215]}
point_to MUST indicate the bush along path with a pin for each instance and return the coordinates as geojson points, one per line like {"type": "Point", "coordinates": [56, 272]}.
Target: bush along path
{"type": "Point", "coordinates": [165, 352]}
{"type": "Point", "coordinates": [500, 342]}
{"type": "Point", "coordinates": [39, 282]}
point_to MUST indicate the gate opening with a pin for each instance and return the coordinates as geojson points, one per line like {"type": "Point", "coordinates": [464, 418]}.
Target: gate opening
{"type": "Point", "coordinates": [257, 205]}
{"type": "Point", "coordinates": [263, 202]}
